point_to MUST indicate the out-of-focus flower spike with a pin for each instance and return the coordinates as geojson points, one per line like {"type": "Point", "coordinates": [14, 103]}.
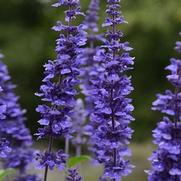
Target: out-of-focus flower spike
{"type": "Point", "coordinates": [16, 141]}
{"type": "Point", "coordinates": [79, 120]}
{"type": "Point", "coordinates": [178, 45]}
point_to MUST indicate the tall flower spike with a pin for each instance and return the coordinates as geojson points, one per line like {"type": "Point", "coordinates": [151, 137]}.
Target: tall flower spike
{"type": "Point", "coordinates": [79, 119]}
{"type": "Point", "coordinates": [112, 108]}
{"type": "Point", "coordinates": [58, 90]}
{"type": "Point", "coordinates": [91, 19]}
{"type": "Point", "coordinates": [88, 63]}
{"type": "Point", "coordinates": [15, 137]}
{"type": "Point", "coordinates": [166, 159]}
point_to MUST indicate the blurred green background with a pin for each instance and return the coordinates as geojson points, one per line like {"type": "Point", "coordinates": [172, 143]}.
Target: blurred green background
{"type": "Point", "coordinates": [28, 42]}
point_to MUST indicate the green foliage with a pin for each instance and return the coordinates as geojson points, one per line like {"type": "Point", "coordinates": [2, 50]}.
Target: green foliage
{"type": "Point", "coordinates": [28, 42]}
{"type": "Point", "coordinates": [74, 161]}
{"type": "Point", "coordinates": [4, 174]}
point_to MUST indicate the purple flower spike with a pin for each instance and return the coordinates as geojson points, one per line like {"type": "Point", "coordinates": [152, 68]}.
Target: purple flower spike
{"type": "Point", "coordinates": [87, 58]}
{"type": "Point", "coordinates": [79, 119]}
{"type": "Point", "coordinates": [92, 17]}
{"type": "Point", "coordinates": [73, 175]}
{"type": "Point", "coordinates": [58, 89]}
{"type": "Point", "coordinates": [16, 140]}
{"type": "Point", "coordinates": [166, 160]}
{"type": "Point", "coordinates": [112, 109]}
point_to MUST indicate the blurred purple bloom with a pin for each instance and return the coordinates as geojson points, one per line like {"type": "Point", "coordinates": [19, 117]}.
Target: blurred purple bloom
{"type": "Point", "coordinates": [16, 139]}
{"type": "Point", "coordinates": [2, 112]}
{"type": "Point", "coordinates": [87, 60]}
{"type": "Point", "coordinates": [178, 45]}
{"type": "Point", "coordinates": [19, 158]}
{"type": "Point", "coordinates": [79, 120]}
{"type": "Point", "coordinates": [102, 178]}
{"type": "Point", "coordinates": [110, 87]}
{"type": "Point", "coordinates": [166, 159]}
{"type": "Point", "coordinates": [91, 19]}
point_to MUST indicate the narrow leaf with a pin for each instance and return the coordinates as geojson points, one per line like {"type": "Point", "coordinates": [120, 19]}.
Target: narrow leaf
{"type": "Point", "coordinates": [73, 161]}
{"type": "Point", "coordinates": [4, 174]}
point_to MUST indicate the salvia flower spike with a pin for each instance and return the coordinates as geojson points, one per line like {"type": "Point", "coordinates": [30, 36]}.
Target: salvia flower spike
{"type": "Point", "coordinates": [166, 160]}
{"type": "Point", "coordinates": [58, 90]}
{"type": "Point", "coordinates": [91, 19]}
{"type": "Point", "coordinates": [16, 140]}
{"type": "Point", "coordinates": [88, 63]}
{"type": "Point", "coordinates": [112, 107]}
{"type": "Point", "coordinates": [79, 120]}
{"type": "Point", "coordinates": [87, 60]}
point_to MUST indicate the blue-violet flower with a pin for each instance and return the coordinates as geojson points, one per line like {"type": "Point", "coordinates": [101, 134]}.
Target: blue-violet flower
{"type": "Point", "coordinates": [16, 140]}
{"type": "Point", "coordinates": [166, 159]}
{"type": "Point", "coordinates": [73, 175]}
{"type": "Point", "coordinates": [59, 85]}
{"type": "Point", "coordinates": [112, 107]}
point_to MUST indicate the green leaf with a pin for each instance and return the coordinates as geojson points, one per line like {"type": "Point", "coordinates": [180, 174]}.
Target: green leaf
{"type": "Point", "coordinates": [73, 161]}
{"type": "Point", "coordinates": [4, 174]}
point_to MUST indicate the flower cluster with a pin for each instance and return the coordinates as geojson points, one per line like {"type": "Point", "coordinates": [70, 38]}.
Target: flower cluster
{"type": "Point", "coordinates": [73, 175]}
{"type": "Point", "coordinates": [59, 84]}
{"type": "Point", "coordinates": [112, 107]}
{"type": "Point", "coordinates": [16, 141]}
{"type": "Point", "coordinates": [166, 159]}
{"type": "Point", "coordinates": [57, 159]}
